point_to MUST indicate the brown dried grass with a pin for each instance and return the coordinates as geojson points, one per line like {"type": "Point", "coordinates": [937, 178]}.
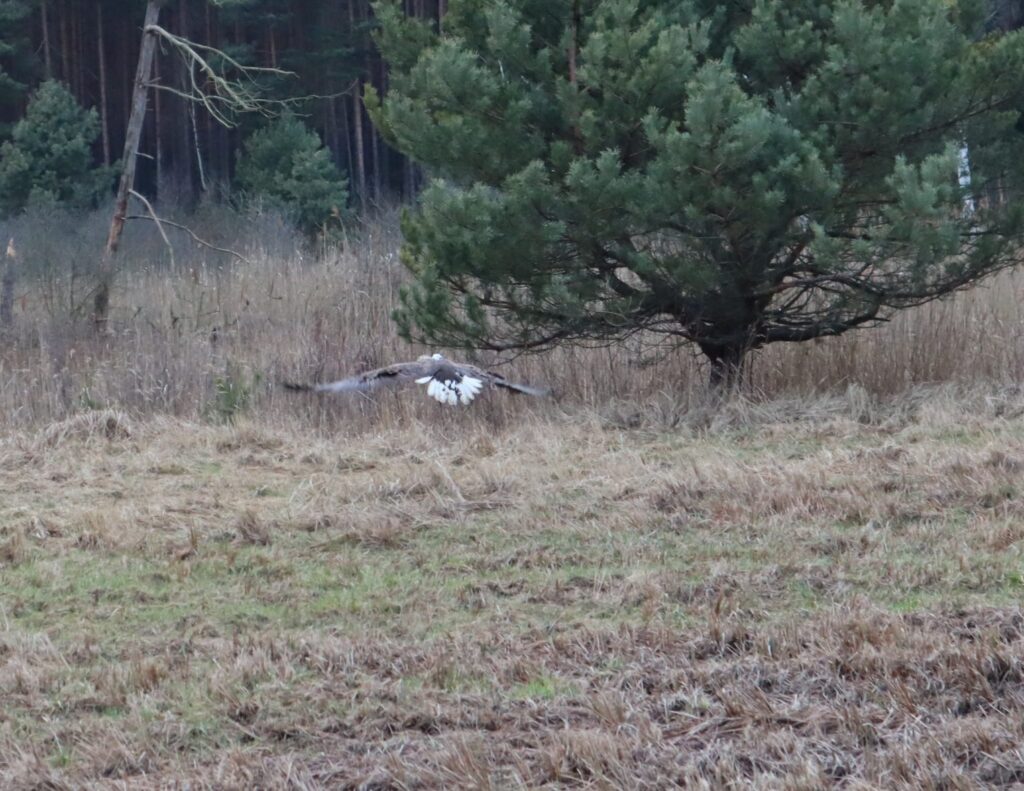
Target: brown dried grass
{"type": "Point", "coordinates": [210, 338]}
{"type": "Point", "coordinates": [207, 582]}
{"type": "Point", "coordinates": [790, 594]}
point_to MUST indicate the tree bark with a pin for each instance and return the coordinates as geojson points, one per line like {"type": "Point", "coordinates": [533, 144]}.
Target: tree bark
{"type": "Point", "coordinates": [183, 163]}
{"type": "Point", "coordinates": [65, 51]}
{"type": "Point", "coordinates": [347, 138]}
{"type": "Point", "coordinates": [380, 150]}
{"type": "Point", "coordinates": [102, 63]}
{"type": "Point", "coordinates": [47, 55]}
{"type": "Point", "coordinates": [7, 288]}
{"type": "Point", "coordinates": [101, 302]}
{"type": "Point", "coordinates": [357, 124]}
{"type": "Point", "coordinates": [726, 366]}
{"type": "Point", "coordinates": [157, 126]}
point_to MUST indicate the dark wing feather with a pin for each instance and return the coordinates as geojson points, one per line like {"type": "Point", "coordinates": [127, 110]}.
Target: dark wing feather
{"type": "Point", "coordinates": [398, 373]}
{"type": "Point", "coordinates": [498, 380]}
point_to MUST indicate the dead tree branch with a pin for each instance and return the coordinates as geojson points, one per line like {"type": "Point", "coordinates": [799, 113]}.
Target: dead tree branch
{"type": "Point", "coordinates": [190, 232]}
{"type": "Point", "coordinates": [157, 220]}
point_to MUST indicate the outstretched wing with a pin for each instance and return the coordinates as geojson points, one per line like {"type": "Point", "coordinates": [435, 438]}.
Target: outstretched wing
{"type": "Point", "coordinates": [389, 375]}
{"type": "Point", "coordinates": [498, 380]}
{"type": "Point", "coordinates": [515, 387]}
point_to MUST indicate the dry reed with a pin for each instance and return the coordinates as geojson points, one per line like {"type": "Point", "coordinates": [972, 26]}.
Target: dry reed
{"type": "Point", "coordinates": [210, 336]}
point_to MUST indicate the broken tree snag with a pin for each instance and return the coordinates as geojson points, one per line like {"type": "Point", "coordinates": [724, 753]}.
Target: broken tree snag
{"type": "Point", "coordinates": [7, 287]}
{"type": "Point", "coordinates": [101, 302]}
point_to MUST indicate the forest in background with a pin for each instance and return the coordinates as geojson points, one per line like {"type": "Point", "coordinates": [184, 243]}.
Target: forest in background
{"type": "Point", "coordinates": [92, 47]}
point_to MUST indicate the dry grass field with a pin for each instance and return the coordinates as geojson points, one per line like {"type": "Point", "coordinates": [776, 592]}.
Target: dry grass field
{"type": "Point", "coordinates": [207, 582]}
{"type": "Point", "coordinates": [791, 595]}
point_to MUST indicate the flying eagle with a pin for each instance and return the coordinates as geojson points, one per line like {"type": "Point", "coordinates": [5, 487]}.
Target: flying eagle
{"type": "Point", "coordinates": [447, 381]}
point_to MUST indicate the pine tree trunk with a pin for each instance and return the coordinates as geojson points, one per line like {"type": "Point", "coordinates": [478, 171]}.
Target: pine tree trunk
{"type": "Point", "coordinates": [381, 177]}
{"type": "Point", "coordinates": [101, 302]}
{"type": "Point", "coordinates": [200, 169]}
{"type": "Point", "coordinates": [214, 132]}
{"type": "Point", "coordinates": [65, 50]}
{"type": "Point", "coordinates": [357, 123]}
{"type": "Point", "coordinates": [157, 122]}
{"type": "Point", "coordinates": [346, 137]}
{"type": "Point", "coordinates": [102, 63]}
{"type": "Point", "coordinates": [357, 112]}
{"type": "Point", "coordinates": [183, 163]}
{"type": "Point", "coordinates": [726, 366]}
{"type": "Point", "coordinates": [77, 50]}
{"type": "Point", "coordinates": [47, 55]}
{"type": "Point", "coordinates": [331, 131]}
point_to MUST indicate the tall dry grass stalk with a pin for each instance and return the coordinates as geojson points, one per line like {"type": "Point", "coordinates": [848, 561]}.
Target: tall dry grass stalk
{"type": "Point", "coordinates": [210, 336]}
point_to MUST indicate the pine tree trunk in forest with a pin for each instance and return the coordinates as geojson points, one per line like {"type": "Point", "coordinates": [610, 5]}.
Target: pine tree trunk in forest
{"type": "Point", "coordinates": [65, 49]}
{"type": "Point", "coordinates": [382, 176]}
{"type": "Point", "coordinates": [47, 56]}
{"type": "Point", "coordinates": [133, 134]}
{"type": "Point", "coordinates": [199, 151]}
{"type": "Point", "coordinates": [158, 143]}
{"type": "Point", "coordinates": [346, 136]}
{"type": "Point", "coordinates": [126, 75]}
{"type": "Point", "coordinates": [357, 113]}
{"type": "Point", "coordinates": [357, 123]}
{"type": "Point", "coordinates": [212, 131]}
{"type": "Point", "coordinates": [183, 162]}
{"type": "Point", "coordinates": [377, 168]}
{"type": "Point", "coordinates": [78, 61]}
{"type": "Point", "coordinates": [102, 63]}
{"type": "Point", "coordinates": [333, 136]}
{"type": "Point", "coordinates": [375, 148]}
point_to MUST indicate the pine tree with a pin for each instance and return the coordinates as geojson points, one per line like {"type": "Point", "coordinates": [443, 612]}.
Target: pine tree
{"type": "Point", "coordinates": [17, 60]}
{"type": "Point", "coordinates": [285, 164]}
{"type": "Point", "coordinates": [49, 159]}
{"type": "Point", "coordinates": [732, 174]}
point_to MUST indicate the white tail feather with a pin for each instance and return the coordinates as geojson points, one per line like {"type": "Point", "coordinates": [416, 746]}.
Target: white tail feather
{"type": "Point", "coordinates": [451, 392]}
{"type": "Point", "coordinates": [468, 388]}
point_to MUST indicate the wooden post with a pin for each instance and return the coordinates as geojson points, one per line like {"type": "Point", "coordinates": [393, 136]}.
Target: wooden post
{"type": "Point", "coordinates": [101, 302]}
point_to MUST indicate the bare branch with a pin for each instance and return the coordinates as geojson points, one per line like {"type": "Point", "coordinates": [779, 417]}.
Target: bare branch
{"type": "Point", "coordinates": [220, 95]}
{"type": "Point", "coordinates": [191, 233]}
{"type": "Point", "coordinates": [159, 223]}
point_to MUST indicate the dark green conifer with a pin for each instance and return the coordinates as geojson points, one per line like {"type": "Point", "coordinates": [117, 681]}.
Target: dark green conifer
{"type": "Point", "coordinates": [285, 164]}
{"type": "Point", "coordinates": [49, 160]}
{"type": "Point", "coordinates": [732, 174]}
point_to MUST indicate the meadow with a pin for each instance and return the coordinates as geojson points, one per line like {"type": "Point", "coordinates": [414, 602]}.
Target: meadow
{"type": "Point", "coordinates": [209, 582]}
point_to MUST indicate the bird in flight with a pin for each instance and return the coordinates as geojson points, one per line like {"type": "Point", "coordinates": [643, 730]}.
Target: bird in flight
{"type": "Point", "coordinates": [447, 381]}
